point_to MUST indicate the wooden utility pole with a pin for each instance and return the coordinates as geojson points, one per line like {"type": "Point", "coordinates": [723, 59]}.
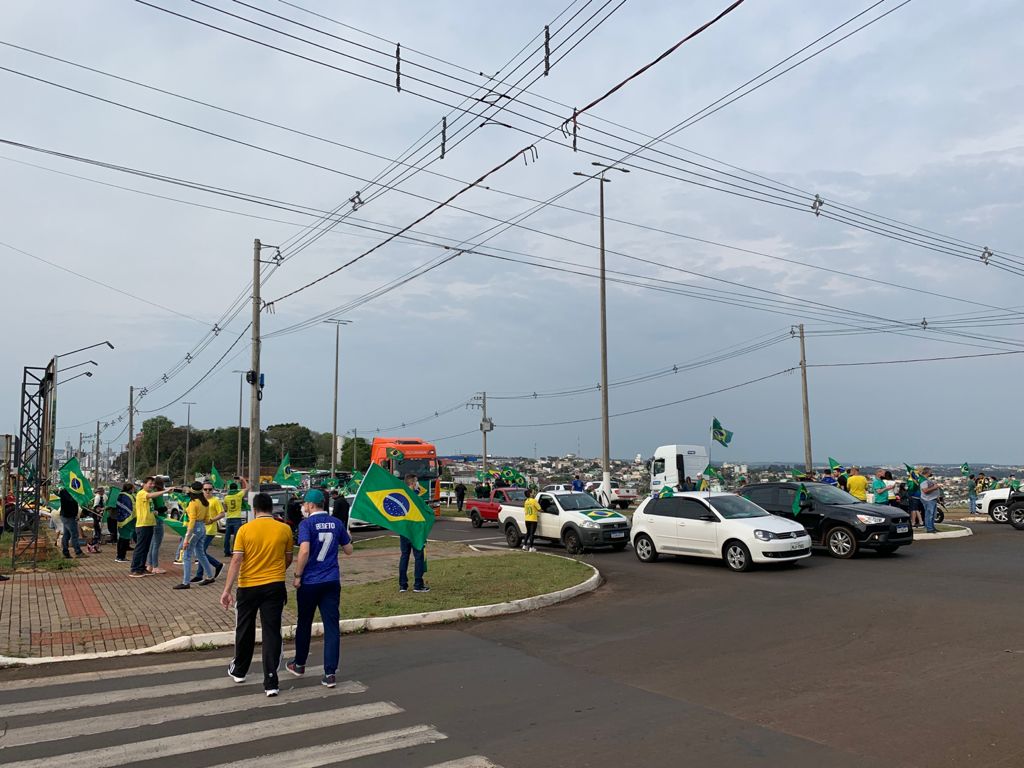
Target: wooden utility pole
{"type": "Point", "coordinates": [131, 435]}
{"type": "Point", "coordinates": [807, 410]}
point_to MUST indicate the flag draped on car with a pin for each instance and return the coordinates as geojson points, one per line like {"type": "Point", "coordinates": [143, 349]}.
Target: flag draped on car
{"type": "Point", "coordinates": [720, 434]}
{"type": "Point", "coordinates": [386, 501]}
{"type": "Point", "coordinates": [800, 498]}
{"type": "Point", "coordinates": [77, 484]}
{"type": "Point", "coordinates": [284, 474]}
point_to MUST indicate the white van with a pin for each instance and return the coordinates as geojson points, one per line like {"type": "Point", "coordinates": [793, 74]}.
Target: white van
{"type": "Point", "coordinates": [672, 464]}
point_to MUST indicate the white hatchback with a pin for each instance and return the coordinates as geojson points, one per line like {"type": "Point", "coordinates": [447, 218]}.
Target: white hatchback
{"type": "Point", "coordinates": [718, 525]}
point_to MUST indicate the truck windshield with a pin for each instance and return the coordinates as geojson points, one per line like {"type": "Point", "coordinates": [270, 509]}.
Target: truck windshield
{"type": "Point", "coordinates": [422, 468]}
{"type": "Point", "coordinates": [577, 501]}
{"type": "Point", "coordinates": [736, 507]}
{"type": "Point", "coordinates": [826, 494]}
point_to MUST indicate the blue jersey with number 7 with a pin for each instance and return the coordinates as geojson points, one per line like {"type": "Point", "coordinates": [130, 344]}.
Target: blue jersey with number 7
{"type": "Point", "coordinates": [324, 534]}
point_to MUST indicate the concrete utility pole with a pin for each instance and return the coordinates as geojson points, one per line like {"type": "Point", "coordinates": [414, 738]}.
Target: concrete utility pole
{"type": "Point", "coordinates": [486, 425]}
{"type": "Point", "coordinates": [79, 455]}
{"type": "Point", "coordinates": [355, 435]}
{"type": "Point", "coordinates": [254, 374]}
{"type": "Point", "coordinates": [96, 459]}
{"type": "Point", "coordinates": [337, 348]}
{"type": "Point", "coordinates": [241, 381]}
{"type": "Point", "coordinates": [188, 433]}
{"type": "Point", "coordinates": [606, 470]}
{"type": "Point", "coordinates": [157, 470]}
{"type": "Point", "coordinates": [131, 435]}
{"type": "Point", "coordinates": [807, 410]}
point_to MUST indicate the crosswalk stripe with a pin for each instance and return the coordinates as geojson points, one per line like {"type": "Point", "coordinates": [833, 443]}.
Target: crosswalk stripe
{"type": "Point", "coordinates": [88, 726]}
{"type": "Point", "coordinates": [474, 761]}
{"type": "Point", "coordinates": [136, 694]}
{"type": "Point", "coordinates": [342, 751]}
{"type": "Point", "coordinates": [197, 742]}
{"type": "Point", "coordinates": [109, 674]}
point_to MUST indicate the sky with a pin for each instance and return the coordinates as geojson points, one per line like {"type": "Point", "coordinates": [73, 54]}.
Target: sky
{"type": "Point", "coordinates": [916, 118]}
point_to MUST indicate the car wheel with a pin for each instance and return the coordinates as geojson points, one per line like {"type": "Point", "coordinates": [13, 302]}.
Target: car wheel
{"type": "Point", "coordinates": [888, 549]}
{"type": "Point", "coordinates": [997, 511]}
{"type": "Point", "coordinates": [644, 548]}
{"type": "Point", "coordinates": [512, 536]}
{"type": "Point", "coordinates": [619, 547]}
{"type": "Point", "coordinates": [1015, 514]}
{"type": "Point", "coordinates": [736, 556]}
{"type": "Point", "coordinates": [841, 543]}
{"type": "Point", "coordinates": [475, 518]}
{"type": "Point", "coordinates": [572, 542]}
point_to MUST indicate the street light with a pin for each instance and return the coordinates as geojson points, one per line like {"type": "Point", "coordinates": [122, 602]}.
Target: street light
{"type": "Point", "coordinates": [188, 432]}
{"type": "Point", "coordinates": [337, 346]}
{"type": "Point", "coordinates": [50, 425]}
{"type": "Point", "coordinates": [78, 376]}
{"type": "Point", "coordinates": [606, 470]}
{"type": "Point", "coordinates": [241, 381]}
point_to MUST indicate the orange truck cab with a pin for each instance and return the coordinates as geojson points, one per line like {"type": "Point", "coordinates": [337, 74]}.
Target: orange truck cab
{"type": "Point", "coordinates": [409, 455]}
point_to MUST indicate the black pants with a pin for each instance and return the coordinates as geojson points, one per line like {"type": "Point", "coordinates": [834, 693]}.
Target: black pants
{"type": "Point", "coordinates": [268, 600]}
{"type": "Point", "coordinates": [143, 536]}
{"type": "Point", "coordinates": [122, 548]}
{"type": "Point", "coordinates": [531, 530]}
{"type": "Point", "coordinates": [112, 528]}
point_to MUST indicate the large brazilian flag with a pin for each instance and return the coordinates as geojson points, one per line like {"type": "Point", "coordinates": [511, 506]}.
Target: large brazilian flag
{"type": "Point", "coordinates": [386, 501]}
{"type": "Point", "coordinates": [73, 478]}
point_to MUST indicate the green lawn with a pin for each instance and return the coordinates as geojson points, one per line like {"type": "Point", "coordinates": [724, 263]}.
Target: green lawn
{"type": "Point", "coordinates": [466, 581]}
{"type": "Point", "coordinates": [54, 562]}
{"type": "Point", "coordinates": [385, 541]}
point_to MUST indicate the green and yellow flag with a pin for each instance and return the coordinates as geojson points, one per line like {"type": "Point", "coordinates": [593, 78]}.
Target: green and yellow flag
{"type": "Point", "coordinates": [965, 469]}
{"type": "Point", "coordinates": [799, 499]}
{"type": "Point", "coordinates": [73, 478]}
{"type": "Point", "coordinates": [386, 501]}
{"type": "Point", "coordinates": [720, 434]}
{"type": "Point", "coordinates": [666, 492]}
{"type": "Point", "coordinates": [215, 479]}
{"type": "Point", "coordinates": [394, 454]}
{"type": "Point", "coordinates": [285, 475]}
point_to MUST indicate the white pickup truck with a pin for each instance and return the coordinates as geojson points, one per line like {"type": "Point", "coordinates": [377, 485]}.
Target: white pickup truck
{"type": "Point", "coordinates": [622, 497]}
{"type": "Point", "coordinates": [575, 520]}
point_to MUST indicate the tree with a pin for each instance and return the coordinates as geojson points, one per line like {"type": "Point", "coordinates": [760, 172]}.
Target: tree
{"type": "Point", "coordinates": [294, 439]}
{"type": "Point", "coordinates": [362, 447]}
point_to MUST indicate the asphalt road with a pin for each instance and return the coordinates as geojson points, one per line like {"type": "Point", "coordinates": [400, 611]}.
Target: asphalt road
{"type": "Point", "coordinates": [911, 660]}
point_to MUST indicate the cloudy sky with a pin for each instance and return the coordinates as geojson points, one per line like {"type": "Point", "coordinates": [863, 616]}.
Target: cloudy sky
{"type": "Point", "coordinates": [916, 119]}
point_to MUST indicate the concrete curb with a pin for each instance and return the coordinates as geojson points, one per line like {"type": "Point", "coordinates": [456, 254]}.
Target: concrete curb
{"type": "Point", "coordinates": [209, 640]}
{"type": "Point", "coordinates": [963, 531]}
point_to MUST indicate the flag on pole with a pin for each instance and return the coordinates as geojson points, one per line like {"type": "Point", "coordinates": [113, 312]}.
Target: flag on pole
{"type": "Point", "coordinates": [73, 478]}
{"type": "Point", "coordinates": [710, 472]}
{"type": "Point", "coordinates": [797, 474]}
{"type": "Point", "coordinates": [386, 501]}
{"type": "Point", "coordinates": [285, 475]}
{"type": "Point", "coordinates": [965, 469]}
{"type": "Point", "coordinates": [913, 479]}
{"type": "Point", "coordinates": [800, 498]}
{"type": "Point", "coordinates": [720, 434]}
{"type": "Point", "coordinates": [394, 454]}
{"type": "Point", "coordinates": [741, 480]}
{"type": "Point", "coordinates": [215, 479]}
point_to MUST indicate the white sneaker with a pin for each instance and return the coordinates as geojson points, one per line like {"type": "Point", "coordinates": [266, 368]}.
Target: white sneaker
{"type": "Point", "coordinates": [236, 678]}
{"type": "Point", "coordinates": [533, 549]}
{"type": "Point", "coordinates": [524, 547]}
{"type": "Point", "coordinates": [272, 692]}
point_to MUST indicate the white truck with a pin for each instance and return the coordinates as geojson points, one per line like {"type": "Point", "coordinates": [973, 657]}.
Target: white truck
{"type": "Point", "coordinates": [622, 497]}
{"type": "Point", "coordinates": [575, 520]}
{"type": "Point", "coordinates": [672, 464]}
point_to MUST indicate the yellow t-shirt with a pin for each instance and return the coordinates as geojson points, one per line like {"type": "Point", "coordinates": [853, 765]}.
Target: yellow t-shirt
{"type": "Point", "coordinates": [233, 504]}
{"type": "Point", "coordinates": [144, 510]}
{"type": "Point", "coordinates": [264, 542]}
{"type": "Point", "coordinates": [214, 510]}
{"type": "Point", "coordinates": [197, 513]}
{"type": "Point", "coordinates": [531, 510]}
{"type": "Point", "coordinates": [857, 485]}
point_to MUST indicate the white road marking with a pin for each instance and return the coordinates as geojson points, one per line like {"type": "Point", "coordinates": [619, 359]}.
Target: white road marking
{"type": "Point", "coordinates": [464, 541]}
{"type": "Point", "coordinates": [475, 761]}
{"type": "Point", "coordinates": [35, 734]}
{"type": "Point", "coordinates": [342, 751]}
{"type": "Point", "coordinates": [197, 742]}
{"type": "Point", "coordinates": [108, 674]}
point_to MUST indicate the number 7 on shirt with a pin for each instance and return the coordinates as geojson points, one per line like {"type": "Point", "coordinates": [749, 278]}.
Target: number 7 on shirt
{"type": "Point", "coordinates": [325, 545]}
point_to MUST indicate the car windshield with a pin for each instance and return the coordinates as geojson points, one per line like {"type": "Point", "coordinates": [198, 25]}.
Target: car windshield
{"type": "Point", "coordinates": [828, 494]}
{"type": "Point", "coordinates": [515, 495]}
{"type": "Point", "coordinates": [736, 507]}
{"type": "Point", "coordinates": [578, 501]}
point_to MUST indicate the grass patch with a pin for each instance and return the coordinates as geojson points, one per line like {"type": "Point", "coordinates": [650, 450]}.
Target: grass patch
{"type": "Point", "coordinates": [945, 527]}
{"type": "Point", "coordinates": [466, 581]}
{"type": "Point", "coordinates": [54, 562]}
{"type": "Point", "coordinates": [379, 542]}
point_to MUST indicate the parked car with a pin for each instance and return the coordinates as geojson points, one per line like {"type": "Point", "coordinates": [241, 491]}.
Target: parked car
{"type": "Point", "coordinates": [621, 496]}
{"type": "Point", "coordinates": [575, 520]}
{"type": "Point", "coordinates": [488, 510]}
{"type": "Point", "coordinates": [716, 525]}
{"type": "Point", "coordinates": [1015, 509]}
{"type": "Point", "coordinates": [835, 519]}
{"type": "Point", "coordinates": [993, 503]}
{"type": "Point", "coordinates": [567, 487]}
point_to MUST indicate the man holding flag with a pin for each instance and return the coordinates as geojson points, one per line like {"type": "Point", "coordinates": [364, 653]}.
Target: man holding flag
{"type": "Point", "coordinates": [385, 501]}
{"type": "Point", "coordinates": [75, 492]}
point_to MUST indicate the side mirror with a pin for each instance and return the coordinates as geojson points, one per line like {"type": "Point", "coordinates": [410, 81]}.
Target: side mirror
{"type": "Point", "coordinates": [709, 517]}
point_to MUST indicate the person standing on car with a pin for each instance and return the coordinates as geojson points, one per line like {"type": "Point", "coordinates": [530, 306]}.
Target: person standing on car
{"type": "Point", "coordinates": [930, 492]}
{"type": "Point", "coordinates": [577, 484]}
{"type": "Point", "coordinates": [460, 496]}
{"type": "Point", "coordinates": [531, 514]}
{"type": "Point", "coordinates": [857, 484]}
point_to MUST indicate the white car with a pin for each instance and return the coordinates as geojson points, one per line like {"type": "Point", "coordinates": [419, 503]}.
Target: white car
{"type": "Point", "coordinates": [575, 520]}
{"type": "Point", "coordinates": [993, 504]}
{"type": "Point", "coordinates": [621, 496]}
{"type": "Point", "coordinates": [717, 525]}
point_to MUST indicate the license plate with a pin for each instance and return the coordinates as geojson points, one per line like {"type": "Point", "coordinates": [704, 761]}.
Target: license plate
{"type": "Point", "coordinates": [797, 546]}
{"type": "Point", "coordinates": [902, 528]}
{"type": "Point", "coordinates": [619, 535]}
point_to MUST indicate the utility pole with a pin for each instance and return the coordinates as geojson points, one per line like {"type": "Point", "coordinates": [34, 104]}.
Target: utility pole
{"type": "Point", "coordinates": [254, 376]}
{"type": "Point", "coordinates": [96, 459]}
{"type": "Point", "coordinates": [606, 470]}
{"type": "Point", "coordinates": [337, 348]}
{"type": "Point", "coordinates": [157, 470]}
{"type": "Point", "coordinates": [131, 435]}
{"type": "Point", "coordinates": [188, 432]}
{"type": "Point", "coordinates": [807, 409]}
{"type": "Point", "coordinates": [486, 424]}
{"type": "Point", "coordinates": [80, 454]}
{"type": "Point", "coordinates": [355, 435]}
{"type": "Point", "coordinates": [241, 381]}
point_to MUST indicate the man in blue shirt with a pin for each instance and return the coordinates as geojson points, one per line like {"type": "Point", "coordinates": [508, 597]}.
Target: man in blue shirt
{"type": "Point", "coordinates": [577, 484]}
{"type": "Point", "coordinates": [826, 477]}
{"type": "Point", "coordinates": [318, 581]}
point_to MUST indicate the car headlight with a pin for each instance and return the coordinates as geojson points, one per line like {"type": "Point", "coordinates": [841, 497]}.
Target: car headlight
{"type": "Point", "coordinates": [764, 535]}
{"type": "Point", "coordinates": [871, 519]}
{"type": "Point", "coordinates": [589, 524]}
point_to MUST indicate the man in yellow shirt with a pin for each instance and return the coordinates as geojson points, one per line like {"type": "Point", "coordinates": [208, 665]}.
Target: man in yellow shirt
{"type": "Point", "coordinates": [531, 514]}
{"type": "Point", "coordinates": [262, 554]}
{"type": "Point", "coordinates": [145, 520]}
{"type": "Point", "coordinates": [234, 500]}
{"type": "Point", "coordinates": [857, 484]}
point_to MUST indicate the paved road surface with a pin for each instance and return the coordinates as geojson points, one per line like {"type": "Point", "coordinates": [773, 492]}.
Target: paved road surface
{"type": "Point", "coordinates": [913, 660]}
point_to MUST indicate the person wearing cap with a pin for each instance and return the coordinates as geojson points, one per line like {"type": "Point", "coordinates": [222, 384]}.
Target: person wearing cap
{"type": "Point", "coordinates": [318, 584]}
{"type": "Point", "coordinates": [233, 501]}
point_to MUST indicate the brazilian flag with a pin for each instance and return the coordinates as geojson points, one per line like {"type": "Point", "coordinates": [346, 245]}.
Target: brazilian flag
{"type": "Point", "coordinates": [285, 475]}
{"type": "Point", "coordinates": [215, 479]}
{"type": "Point", "coordinates": [710, 471]}
{"type": "Point", "coordinates": [913, 479]}
{"type": "Point", "coordinates": [799, 499]}
{"type": "Point", "coordinates": [394, 454]}
{"type": "Point", "coordinates": [965, 469]}
{"type": "Point", "coordinates": [720, 434]}
{"type": "Point", "coordinates": [386, 501]}
{"type": "Point", "coordinates": [666, 492]}
{"type": "Point", "coordinates": [73, 478]}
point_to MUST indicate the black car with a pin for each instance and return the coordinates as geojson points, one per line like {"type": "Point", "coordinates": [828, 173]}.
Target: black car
{"type": "Point", "coordinates": [835, 519]}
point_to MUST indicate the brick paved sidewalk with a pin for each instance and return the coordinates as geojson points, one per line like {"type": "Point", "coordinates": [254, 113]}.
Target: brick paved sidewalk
{"type": "Point", "coordinates": [97, 607]}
